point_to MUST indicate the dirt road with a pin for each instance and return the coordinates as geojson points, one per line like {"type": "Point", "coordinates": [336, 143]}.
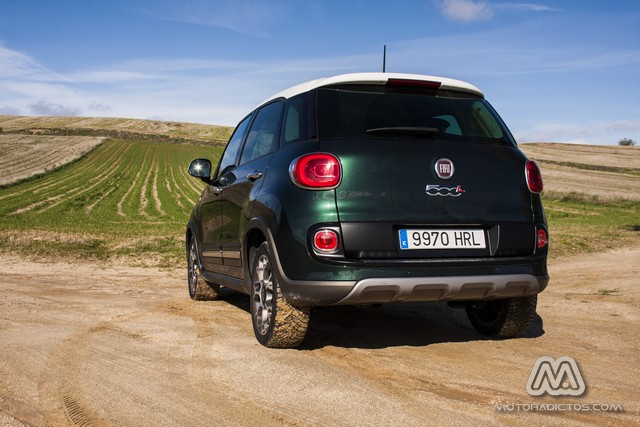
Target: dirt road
{"type": "Point", "coordinates": [84, 345]}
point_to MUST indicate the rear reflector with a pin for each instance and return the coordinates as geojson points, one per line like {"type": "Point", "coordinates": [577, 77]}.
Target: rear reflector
{"type": "Point", "coordinates": [534, 177]}
{"type": "Point", "coordinates": [326, 241]}
{"type": "Point", "coordinates": [422, 84]}
{"type": "Point", "coordinates": [317, 171]}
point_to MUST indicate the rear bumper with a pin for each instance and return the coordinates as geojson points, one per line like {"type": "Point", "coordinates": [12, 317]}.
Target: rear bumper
{"type": "Point", "coordinates": [457, 288]}
{"type": "Point", "coordinates": [382, 290]}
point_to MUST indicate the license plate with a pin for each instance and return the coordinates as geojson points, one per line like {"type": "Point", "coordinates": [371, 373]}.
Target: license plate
{"type": "Point", "coordinates": [416, 238]}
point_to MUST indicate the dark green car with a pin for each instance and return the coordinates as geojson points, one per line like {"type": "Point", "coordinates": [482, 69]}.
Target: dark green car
{"type": "Point", "coordinates": [366, 189]}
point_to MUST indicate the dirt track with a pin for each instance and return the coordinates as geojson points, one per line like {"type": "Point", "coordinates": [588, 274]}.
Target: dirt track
{"type": "Point", "coordinates": [112, 345]}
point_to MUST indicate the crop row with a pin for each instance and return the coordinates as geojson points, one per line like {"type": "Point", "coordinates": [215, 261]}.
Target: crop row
{"type": "Point", "coordinates": [122, 188]}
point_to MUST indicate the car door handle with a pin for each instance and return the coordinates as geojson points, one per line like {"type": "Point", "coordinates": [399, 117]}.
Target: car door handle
{"type": "Point", "coordinates": [256, 174]}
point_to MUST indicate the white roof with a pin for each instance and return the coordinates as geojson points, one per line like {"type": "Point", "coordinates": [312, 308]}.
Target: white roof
{"type": "Point", "coordinates": [373, 78]}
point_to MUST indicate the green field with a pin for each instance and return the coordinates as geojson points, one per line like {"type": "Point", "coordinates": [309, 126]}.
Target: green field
{"type": "Point", "coordinates": [130, 198]}
{"type": "Point", "coordinates": [579, 223]}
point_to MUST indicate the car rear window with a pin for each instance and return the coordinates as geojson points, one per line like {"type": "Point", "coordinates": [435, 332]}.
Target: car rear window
{"type": "Point", "coordinates": [345, 112]}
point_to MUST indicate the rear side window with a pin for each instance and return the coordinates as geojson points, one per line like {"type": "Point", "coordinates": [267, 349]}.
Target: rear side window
{"type": "Point", "coordinates": [295, 119]}
{"type": "Point", "coordinates": [379, 111]}
{"type": "Point", "coordinates": [296, 125]}
{"type": "Point", "coordinates": [264, 133]}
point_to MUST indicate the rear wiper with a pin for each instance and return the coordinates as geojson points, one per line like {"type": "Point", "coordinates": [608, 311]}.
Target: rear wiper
{"type": "Point", "coordinates": [405, 130]}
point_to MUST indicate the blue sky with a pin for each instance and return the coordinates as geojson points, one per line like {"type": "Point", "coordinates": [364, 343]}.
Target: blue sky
{"type": "Point", "coordinates": [561, 71]}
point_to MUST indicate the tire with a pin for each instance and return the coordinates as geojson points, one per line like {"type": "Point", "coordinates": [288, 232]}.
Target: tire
{"type": "Point", "coordinates": [199, 289]}
{"type": "Point", "coordinates": [276, 323]}
{"type": "Point", "coordinates": [502, 318]}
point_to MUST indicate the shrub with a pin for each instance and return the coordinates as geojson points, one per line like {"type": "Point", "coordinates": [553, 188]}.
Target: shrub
{"type": "Point", "coordinates": [626, 142]}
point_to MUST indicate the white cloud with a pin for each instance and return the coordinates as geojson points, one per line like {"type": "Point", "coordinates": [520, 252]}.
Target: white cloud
{"type": "Point", "coordinates": [37, 89]}
{"type": "Point", "coordinates": [14, 63]}
{"type": "Point", "coordinates": [504, 51]}
{"type": "Point", "coordinates": [465, 10]}
{"type": "Point", "coordinates": [168, 65]}
{"type": "Point", "coordinates": [524, 7]}
{"type": "Point", "coordinates": [250, 17]}
{"type": "Point", "coordinates": [107, 76]}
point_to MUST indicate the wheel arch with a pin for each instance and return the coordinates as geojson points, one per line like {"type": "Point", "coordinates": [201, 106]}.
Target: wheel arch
{"type": "Point", "coordinates": [189, 233]}
{"type": "Point", "coordinates": [187, 238]}
{"type": "Point", "coordinates": [256, 233]}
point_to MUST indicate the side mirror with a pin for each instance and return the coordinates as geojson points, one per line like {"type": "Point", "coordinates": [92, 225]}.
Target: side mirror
{"type": "Point", "coordinates": [201, 168]}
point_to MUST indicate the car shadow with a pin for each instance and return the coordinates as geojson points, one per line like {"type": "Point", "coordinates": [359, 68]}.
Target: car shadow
{"type": "Point", "coordinates": [395, 325]}
{"type": "Point", "coordinates": [391, 325]}
{"type": "Point", "coordinates": [235, 298]}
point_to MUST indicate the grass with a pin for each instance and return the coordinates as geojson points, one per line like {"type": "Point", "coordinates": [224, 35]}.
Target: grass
{"type": "Point", "coordinates": [125, 198]}
{"type": "Point", "coordinates": [582, 223]}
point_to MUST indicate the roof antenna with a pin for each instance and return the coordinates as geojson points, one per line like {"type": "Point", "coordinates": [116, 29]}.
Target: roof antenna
{"type": "Point", "coordinates": [384, 59]}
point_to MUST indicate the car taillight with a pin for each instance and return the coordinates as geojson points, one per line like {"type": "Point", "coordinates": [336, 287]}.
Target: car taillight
{"type": "Point", "coordinates": [534, 177]}
{"type": "Point", "coordinates": [318, 171]}
{"type": "Point", "coordinates": [326, 241]}
{"type": "Point", "coordinates": [541, 239]}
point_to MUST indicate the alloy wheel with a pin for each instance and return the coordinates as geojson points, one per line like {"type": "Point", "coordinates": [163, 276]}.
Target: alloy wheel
{"type": "Point", "coordinates": [263, 294]}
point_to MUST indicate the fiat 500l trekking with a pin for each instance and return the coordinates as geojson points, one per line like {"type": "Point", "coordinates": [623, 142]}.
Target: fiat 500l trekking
{"type": "Point", "coordinates": [367, 189]}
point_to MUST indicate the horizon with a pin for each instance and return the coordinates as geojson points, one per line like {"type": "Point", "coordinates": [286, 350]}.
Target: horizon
{"type": "Point", "coordinates": [564, 72]}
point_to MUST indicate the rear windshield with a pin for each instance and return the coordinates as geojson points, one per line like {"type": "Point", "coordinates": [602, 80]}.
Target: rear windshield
{"type": "Point", "coordinates": [345, 112]}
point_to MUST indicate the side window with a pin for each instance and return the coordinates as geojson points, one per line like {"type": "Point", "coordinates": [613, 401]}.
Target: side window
{"type": "Point", "coordinates": [264, 134]}
{"type": "Point", "coordinates": [233, 146]}
{"type": "Point", "coordinates": [295, 120]}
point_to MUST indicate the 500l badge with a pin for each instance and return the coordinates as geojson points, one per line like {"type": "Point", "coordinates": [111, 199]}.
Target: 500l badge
{"type": "Point", "coordinates": [436, 190]}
